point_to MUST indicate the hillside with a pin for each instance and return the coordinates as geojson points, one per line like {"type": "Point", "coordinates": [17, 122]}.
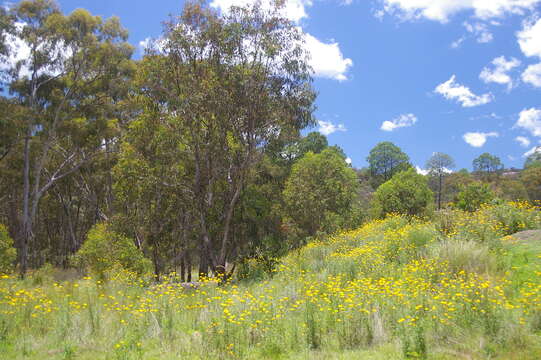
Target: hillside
{"type": "Point", "coordinates": [456, 287]}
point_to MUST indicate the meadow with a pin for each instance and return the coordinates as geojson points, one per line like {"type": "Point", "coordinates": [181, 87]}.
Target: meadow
{"type": "Point", "coordinates": [457, 286]}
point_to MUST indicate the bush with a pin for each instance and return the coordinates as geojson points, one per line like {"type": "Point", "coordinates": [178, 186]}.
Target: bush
{"type": "Point", "coordinates": [406, 193]}
{"type": "Point", "coordinates": [105, 250]}
{"type": "Point", "coordinates": [490, 222]}
{"type": "Point", "coordinates": [8, 254]}
{"type": "Point", "coordinates": [471, 197]}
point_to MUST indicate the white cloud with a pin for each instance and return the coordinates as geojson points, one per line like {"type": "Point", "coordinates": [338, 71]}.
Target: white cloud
{"type": "Point", "coordinates": [327, 127]}
{"type": "Point", "coordinates": [442, 10]}
{"type": "Point", "coordinates": [530, 119]}
{"type": "Point", "coordinates": [535, 149]}
{"type": "Point", "coordinates": [532, 75]}
{"type": "Point", "coordinates": [294, 10]}
{"type": "Point", "coordinates": [145, 44]}
{"type": "Point", "coordinates": [348, 161]}
{"type": "Point", "coordinates": [499, 72]}
{"type": "Point", "coordinates": [451, 90]}
{"type": "Point", "coordinates": [480, 31]}
{"type": "Point", "coordinates": [523, 141]}
{"type": "Point", "coordinates": [404, 120]}
{"type": "Point", "coordinates": [478, 139]}
{"type": "Point", "coordinates": [326, 59]}
{"type": "Point", "coordinates": [421, 171]}
{"type": "Point", "coordinates": [529, 38]}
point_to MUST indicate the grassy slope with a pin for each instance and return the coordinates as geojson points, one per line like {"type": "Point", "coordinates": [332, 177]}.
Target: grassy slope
{"type": "Point", "coordinates": [390, 290]}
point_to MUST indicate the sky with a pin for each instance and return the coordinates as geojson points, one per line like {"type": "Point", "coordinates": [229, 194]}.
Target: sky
{"type": "Point", "coordinates": [462, 77]}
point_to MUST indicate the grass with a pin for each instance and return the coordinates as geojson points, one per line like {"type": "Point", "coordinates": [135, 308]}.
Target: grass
{"type": "Point", "coordinates": [393, 289]}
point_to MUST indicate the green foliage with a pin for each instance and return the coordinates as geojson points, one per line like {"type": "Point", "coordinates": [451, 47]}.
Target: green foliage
{"type": "Point", "coordinates": [320, 193]}
{"type": "Point", "coordinates": [406, 193]}
{"type": "Point", "coordinates": [490, 222]}
{"type": "Point", "coordinates": [438, 166]}
{"type": "Point", "coordinates": [385, 160]}
{"type": "Point", "coordinates": [313, 142]}
{"type": "Point", "coordinates": [7, 251]}
{"type": "Point", "coordinates": [512, 190]}
{"type": "Point", "coordinates": [531, 178]}
{"type": "Point", "coordinates": [105, 250]}
{"type": "Point", "coordinates": [258, 267]}
{"type": "Point", "coordinates": [472, 196]}
{"type": "Point", "coordinates": [487, 165]}
{"type": "Point", "coordinates": [440, 163]}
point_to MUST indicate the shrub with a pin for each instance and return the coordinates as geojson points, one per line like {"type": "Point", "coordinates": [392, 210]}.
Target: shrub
{"type": "Point", "coordinates": [490, 222]}
{"type": "Point", "coordinates": [8, 253]}
{"type": "Point", "coordinates": [471, 197]}
{"type": "Point", "coordinates": [406, 193]}
{"type": "Point", "coordinates": [105, 250]}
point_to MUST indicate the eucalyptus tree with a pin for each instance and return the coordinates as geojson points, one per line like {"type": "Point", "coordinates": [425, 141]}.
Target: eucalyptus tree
{"type": "Point", "coordinates": [73, 61]}
{"type": "Point", "coordinates": [439, 165]}
{"type": "Point", "coordinates": [228, 86]}
{"type": "Point", "coordinates": [320, 194]}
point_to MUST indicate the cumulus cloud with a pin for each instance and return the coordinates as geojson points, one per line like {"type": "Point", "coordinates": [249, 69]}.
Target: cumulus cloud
{"type": "Point", "coordinates": [530, 120]}
{"type": "Point", "coordinates": [442, 10]}
{"type": "Point", "coordinates": [326, 59]}
{"type": "Point", "coordinates": [451, 90]}
{"type": "Point", "coordinates": [328, 128]}
{"type": "Point", "coordinates": [499, 71]}
{"type": "Point", "coordinates": [529, 38]}
{"type": "Point", "coordinates": [426, 171]}
{"type": "Point", "coordinates": [532, 75]}
{"type": "Point", "coordinates": [348, 161]}
{"type": "Point", "coordinates": [535, 149]}
{"type": "Point", "coordinates": [404, 120]}
{"type": "Point", "coordinates": [523, 141]}
{"type": "Point", "coordinates": [478, 139]}
{"type": "Point", "coordinates": [421, 171]}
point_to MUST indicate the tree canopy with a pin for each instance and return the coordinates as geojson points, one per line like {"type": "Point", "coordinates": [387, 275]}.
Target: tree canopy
{"type": "Point", "coordinates": [385, 160]}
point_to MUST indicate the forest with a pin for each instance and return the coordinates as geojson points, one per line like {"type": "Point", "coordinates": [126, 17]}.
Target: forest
{"type": "Point", "coordinates": [185, 195]}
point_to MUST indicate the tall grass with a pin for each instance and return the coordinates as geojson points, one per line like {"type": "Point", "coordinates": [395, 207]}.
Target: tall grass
{"type": "Point", "coordinates": [395, 288]}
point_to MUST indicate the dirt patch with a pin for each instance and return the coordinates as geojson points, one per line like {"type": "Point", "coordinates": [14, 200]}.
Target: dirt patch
{"type": "Point", "coordinates": [528, 236]}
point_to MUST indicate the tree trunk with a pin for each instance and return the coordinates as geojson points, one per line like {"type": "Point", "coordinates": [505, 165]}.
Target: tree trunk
{"type": "Point", "coordinates": [203, 261]}
{"type": "Point", "coordinates": [182, 270]}
{"type": "Point", "coordinates": [439, 192]}
{"type": "Point", "coordinates": [26, 231]}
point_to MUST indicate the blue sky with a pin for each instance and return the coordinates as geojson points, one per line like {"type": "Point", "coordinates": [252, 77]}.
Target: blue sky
{"type": "Point", "coordinates": [456, 76]}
